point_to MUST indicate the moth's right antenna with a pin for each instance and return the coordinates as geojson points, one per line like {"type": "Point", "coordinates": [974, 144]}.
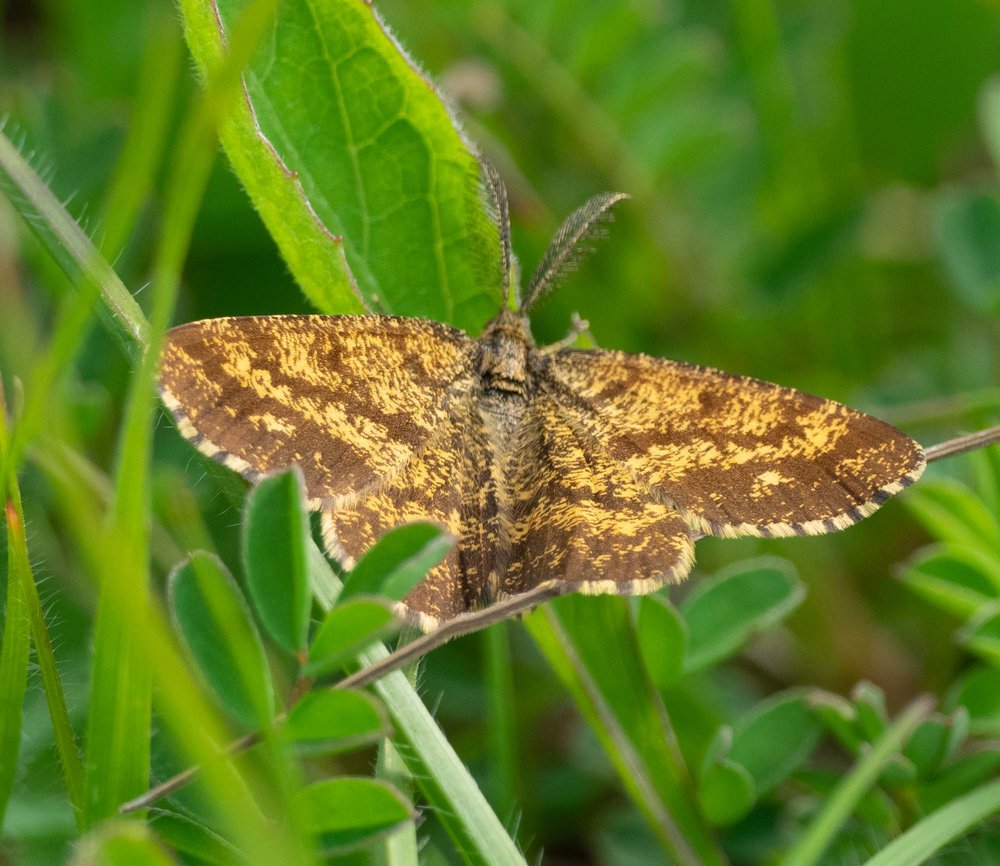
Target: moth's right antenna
{"type": "Point", "coordinates": [501, 216]}
{"type": "Point", "coordinates": [570, 244]}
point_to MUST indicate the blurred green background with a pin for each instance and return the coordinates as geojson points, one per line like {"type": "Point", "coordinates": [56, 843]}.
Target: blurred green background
{"type": "Point", "coordinates": [814, 190]}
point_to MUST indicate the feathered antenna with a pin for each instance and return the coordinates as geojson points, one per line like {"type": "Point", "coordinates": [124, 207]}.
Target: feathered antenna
{"type": "Point", "coordinates": [568, 247]}
{"type": "Point", "coordinates": [497, 193]}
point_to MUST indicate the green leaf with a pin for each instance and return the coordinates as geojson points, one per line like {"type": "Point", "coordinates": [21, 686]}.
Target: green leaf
{"type": "Point", "coordinates": [347, 812]}
{"type": "Point", "coordinates": [331, 721]}
{"type": "Point", "coordinates": [398, 561]}
{"type": "Point", "coordinates": [839, 716]}
{"type": "Point", "coordinates": [774, 739]}
{"type": "Point", "coordinates": [213, 619]}
{"type": "Point", "coordinates": [958, 778]}
{"type": "Point", "coordinates": [979, 692]}
{"type": "Point", "coordinates": [726, 793]}
{"type": "Point", "coordinates": [347, 629]}
{"type": "Point", "coordinates": [952, 512]}
{"type": "Point", "coordinates": [663, 637]}
{"type": "Point", "coordinates": [725, 611]}
{"type": "Point", "coordinates": [967, 229]}
{"type": "Point", "coordinates": [982, 634]}
{"type": "Point", "coordinates": [187, 836]}
{"type": "Point", "coordinates": [936, 830]}
{"type": "Point", "coordinates": [870, 706]}
{"type": "Point", "coordinates": [122, 843]}
{"type": "Point", "coordinates": [275, 536]}
{"type": "Point", "coordinates": [809, 848]}
{"type": "Point", "coordinates": [356, 166]}
{"type": "Point", "coordinates": [928, 744]}
{"type": "Point", "coordinates": [956, 578]}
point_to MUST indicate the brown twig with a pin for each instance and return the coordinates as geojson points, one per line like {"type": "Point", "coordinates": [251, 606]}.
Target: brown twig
{"type": "Point", "coordinates": [963, 444]}
{"type": "Point", "coordinates": [479, 619]}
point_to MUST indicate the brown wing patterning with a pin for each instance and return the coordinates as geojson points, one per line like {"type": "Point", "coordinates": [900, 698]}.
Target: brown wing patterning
{"type": "Point", "coordinates": [575, 470]}
{"type": "Point", "coordinates": [581, 520]}
{"type": "Point", "coordinates": [451, 481]}
{"type": "Point", "coordinates": [736, 455]}
{"type": "Point", "coordinates": [545, 511]}
{"type": "Point", "coordinates": [348, 398]}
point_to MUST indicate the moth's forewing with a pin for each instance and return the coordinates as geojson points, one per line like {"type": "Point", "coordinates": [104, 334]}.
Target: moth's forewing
{"type": "Point", "coordinates": [348, 398]}
{"type": "Point", "coordinates": [737, 456]}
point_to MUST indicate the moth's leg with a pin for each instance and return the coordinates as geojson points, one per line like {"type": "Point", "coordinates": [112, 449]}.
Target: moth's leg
{"type": "Point", "coordinates": [577, 328]}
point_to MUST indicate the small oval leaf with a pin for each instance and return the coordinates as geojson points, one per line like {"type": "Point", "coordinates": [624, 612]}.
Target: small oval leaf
{"type": "Point", "coordinates": [952, 512]}
{"type": "Point", "coordinates": [956, 578]}
{"type": "Point", "coordinates": [723, 612]}
{"type": "Point", "coordinates": [214, 621]}
{"type": "Point", "coordinates": [663, 638]}
{"type": "Point", "coordinates": [347, 629]}
{"type": "Point", "coordinates": [398, 561]}
{"type": "Point", "coordinates": [275, 544]}
{"type": "Point", "coordinates": [121, 843]}
{"type": "Point", "coordinates": [928, 745]}
{"type": "Point", "coordinates": [838, 716]}
{"type": "Point", "coordinates": [348, 812]}
{"type": "Point", "coordinates": [870, 706]}
{"type": "Point", "coordinates": [774, 739]}
{"type": "Point", "coordinates": [981, 634]}
{"type": "Point", "coordinates": [331, 721]}
{"type": "Point", "coordinates": [726, 793]}
{"type": "Point", "coordinates": [188, 836]}
{"type": "Point", "coordinates": [979, 693]}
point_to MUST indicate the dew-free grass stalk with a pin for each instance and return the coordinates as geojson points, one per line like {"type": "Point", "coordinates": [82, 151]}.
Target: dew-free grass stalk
{"type": "Point", "coordinates": [936, 830]}
{"type": "Point", "coordinates": [811, 845]}
{"type": "Point", "coordinates": [23, 600]}
{"type": "Point", "coordinates": [16, 640]}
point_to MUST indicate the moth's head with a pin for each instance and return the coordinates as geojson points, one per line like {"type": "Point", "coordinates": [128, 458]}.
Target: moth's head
{"type": "Point", "coordinates": [503, 350]}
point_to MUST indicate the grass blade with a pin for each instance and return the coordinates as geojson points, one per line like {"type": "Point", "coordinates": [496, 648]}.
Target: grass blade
{"type": "Point", "coordinates": [502, 719]}
{"type": "Point", "coordinates": [936, 830]}
{"type": "Point", "coordinates": [838, 807]}
{"type": "Point", "coordinates": [16, 641]}
{"type": "Point", "coordinates": [69, 245]}
{"type": "Point", "coordinates": [118, 724]}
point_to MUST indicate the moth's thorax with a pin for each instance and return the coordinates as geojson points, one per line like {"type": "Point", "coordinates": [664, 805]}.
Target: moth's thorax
{"type": "Point", "coordinates": [502, 356]}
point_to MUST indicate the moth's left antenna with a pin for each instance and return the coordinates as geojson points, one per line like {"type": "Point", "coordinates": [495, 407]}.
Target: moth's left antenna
{"type": "Point", "coordinates": [501, 216]}
{"type": "Point", "coordinates": [571, 243]}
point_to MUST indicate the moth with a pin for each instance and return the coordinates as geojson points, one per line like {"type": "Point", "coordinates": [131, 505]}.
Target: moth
{"type": "Point", "coordinates": [573, 469]}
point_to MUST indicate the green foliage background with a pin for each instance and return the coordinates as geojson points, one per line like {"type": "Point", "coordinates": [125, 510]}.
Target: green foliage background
{"type": "Point", "coordinates": [814, 201]}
